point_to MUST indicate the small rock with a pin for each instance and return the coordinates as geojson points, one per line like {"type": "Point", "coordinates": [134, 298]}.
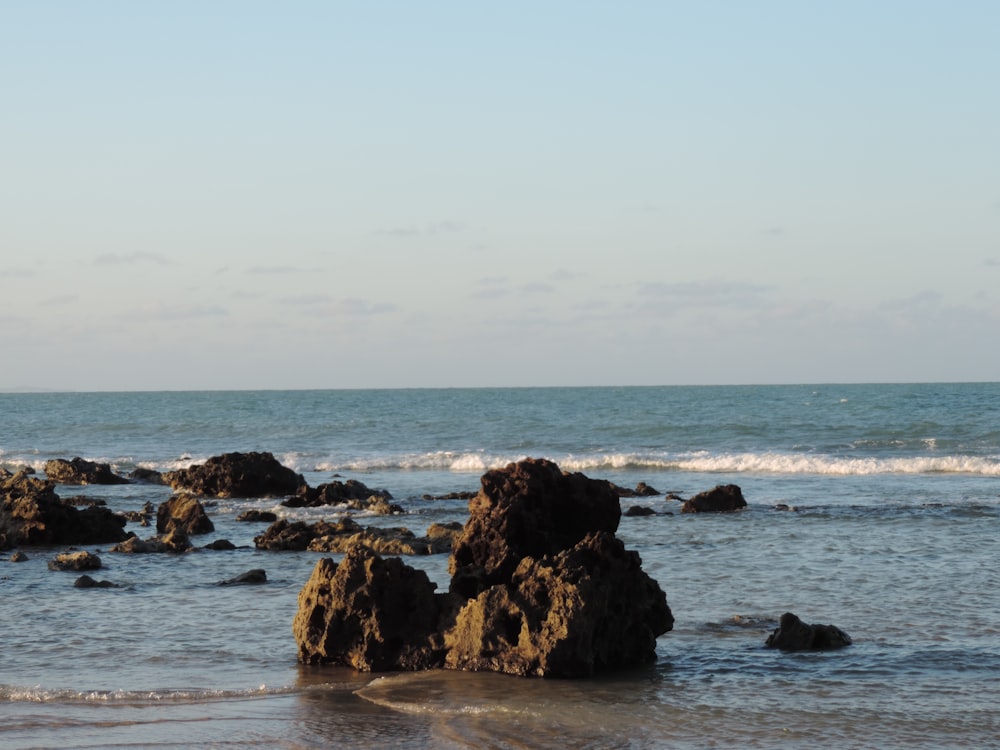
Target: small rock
{"type": "Point", "coordinates": [256, 575]}
{"type": "Point", "coordinates": [75, 561]}
{"type": "Point", "coordinates": [221, 545]}
{"type": "Point", "coordinates": [18, 557]}
{"type": "Point", "coordinates": [794, 635]}
{"type": "Point", "coordinates": [639, 510]}
{"type": "Point", "coordinates": [86, 582]}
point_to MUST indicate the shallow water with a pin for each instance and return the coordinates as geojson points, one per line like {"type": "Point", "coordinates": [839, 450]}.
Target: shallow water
{"type": "Point", "coordinates": [900, 553]}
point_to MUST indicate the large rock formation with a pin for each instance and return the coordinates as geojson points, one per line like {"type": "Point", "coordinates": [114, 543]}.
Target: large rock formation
{"type": "Point", "coordinates": [540, 586]}
{"type": "Point", "coordinates": [81, 471]}
{"type": "Point", "coordinates": [237, 475]}
{"type": "Point", "coordinates": [32, 514]}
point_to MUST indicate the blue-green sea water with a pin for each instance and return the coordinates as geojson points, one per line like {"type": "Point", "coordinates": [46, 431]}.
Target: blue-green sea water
{"type": "Point", "coordinates": [891, 534]}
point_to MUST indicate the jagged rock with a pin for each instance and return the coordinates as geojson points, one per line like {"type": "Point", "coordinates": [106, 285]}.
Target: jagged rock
{"type": "Point", "coordinates": [352, 493]}
{"type": "Point", "coordinates": [237, 475]}
{"type": "Point", "coordinates": [724, 498]}
{"type": "Point", "coordinates": [75, 561]}
{"type": "Point", "coordinates": [528, 509]}
{"type": "Point", "coordinates": [794, 635]}
{"type": "Point", "coordinates": [641, 490]}
{"type": "Point", "coordinates": [257, 516]}
{"type": "Point", "coordinates": [81, 471]}
{"type": "Point", "coordinates": [31, 514]}
{"type": "Point", "coordinates": [175, 541]}
{"type": "Point", "coordinates": [576, 604]}
{"type": "Point", "coordinates": [585, 610]}
{"type": "Point", "coordinates": [254, 576]}
{"type": "Point", "coordinates": [369, 613]}
{"type": "Point", "coordinates": [323, 536]}
{"type": "Point", "coordinates": [183, 512]}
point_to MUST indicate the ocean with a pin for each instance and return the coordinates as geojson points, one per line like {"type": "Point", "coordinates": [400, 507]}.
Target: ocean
{"type": "Point", "coordinates": [874, 508]}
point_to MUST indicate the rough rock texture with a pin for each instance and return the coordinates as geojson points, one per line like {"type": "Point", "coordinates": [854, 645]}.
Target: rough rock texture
{"type": "Point", "coordinates": [794, 635]}
{"type": "Point", "coordinates": [369, 613]}
{"type": "Point", "coordinates": [527, 509]}
{"type": "Point", "coordinates": [237, 475]}
{"type": "Point", "coordinates": [81, 471]}
{"type": "Point", "coordinates": [352, 493]}
{"type": "Point", "coordinates": [32, 514]}
{"type": "Point", "coordinates": [183, 512]}
{"type": "Point", "coordinates": [75, 561]}
{"type": "Point", "coordinates": [324, 536]}
{"type": "Point", "coordinates": [585, 610]}
{"type": "Point", "coordinates": [257, 516]}
{"type": "Point", "coordinates": [175, 541]}
{"type": "Point", "coordinates": [553, 591]}
{"type": "Point", "coordinates": [722, 499]}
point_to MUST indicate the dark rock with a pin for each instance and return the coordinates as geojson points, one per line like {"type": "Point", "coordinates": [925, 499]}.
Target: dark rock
{"type": "Point", "coordinates": [237, 475]}
{"type": "Point", "coordinates": [254, 576]}
{"type": "Point", "coordinates": [352, 493]}
{"type": "Point", "coordinates": [721, 499]}
{"type": "Point", "coordinates": [183, 512]}
{"type": "Point", "coordinates": [464, 495]}
{"type": "Point", "coordinates": [81, 471]}
{"type": "Point", "coordinates": [175, 541]}
{"type": "Point", "coordinates": [324, 536]}
{"type": "Point", "coordinates": [81, 501]}
{"type": "Point", "coordinates": [794, 635]}
{"type": "Point", "coordinates": [19, 557]}
{"type": "Point", "coordinates": [86, 582]}
{"type": "Point", "coordinates": [220, 545]}
{"type": "Point", "coordinates": [551, 597]}
{"type": "Point", "coordinates": [370, 614]}
{"type": "Point", "coordinates": [146, 476]}
{"type": "Point", "coordinates": [585, 610]}
{"type": "Point", "coordinates": [31, 514]}
{"type": "Point", "coordinates": [640, 510]}
{"type": "Point", "coordinates": [257, 516]}
{"type": "Point", "coordinates": [527, 509]}
{"type": "Point", "coordinates": [641, 490]}
{"type": "Point", "coordinates": [75, 561]}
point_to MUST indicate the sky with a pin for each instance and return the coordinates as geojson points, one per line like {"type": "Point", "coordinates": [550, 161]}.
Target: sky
{"type": "Point", "coordinates": [241, 194]}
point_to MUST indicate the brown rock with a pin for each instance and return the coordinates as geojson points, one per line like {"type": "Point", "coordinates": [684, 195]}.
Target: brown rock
{"type": "Point", "coordinates": [183, 512]}
{"type": "Point", "coordinates": [324, 536]}
{"type": "Point", "coordinates": [81, 471]}
{"type": "Point", "coordinates": [721, 499]}
{"type": "Point", "coordinates": [31, 514]}
{"type": "Point", "coordinates": [75, 561]}
{"type": "Point", "coordinates": [585, 610]}
{"type": "Point", "coordinates": [368, 613]}
{"type": "Point", "coordinates": [351, 493]}
{"type": "Point", "coordinates": [528, 509]}
{"type": "Point", "coordinates": [237, 475]}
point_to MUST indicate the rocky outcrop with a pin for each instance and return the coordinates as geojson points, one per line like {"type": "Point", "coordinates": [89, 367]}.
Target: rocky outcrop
{"type": "Point", "coordinates": [324, 536]}
{"type": "Point", "coordinates": [257, 516]}
{"type": "Point", "coordinates": [237, 475]}
{"type": "Point", "coordinates": [540, 586]}
{"type": "Point", "coordinates": [81, 471]}
{"type": "Point", "coordinates": [724, 498]}
{"type": "Point", "coordinates": [528, 509]}
{"type": "Point", "coordinates": [31, 514]}
{"type": "Point", "coordinates": [174, 541]}
{"type": "Point", "coordinates": [352, 493]}
{"type": "Point", "coordinates": [794, 635]}
{"type": "Point", "coordinates": [369, 613]}
{"type": "Point", "coordinates": [183, 512]}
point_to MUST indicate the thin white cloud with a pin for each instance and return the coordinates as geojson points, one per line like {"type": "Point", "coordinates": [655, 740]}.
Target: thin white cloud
{"type": "Point", "coordinates": [176, 311]}
{"type": "Point", "coordinates": [16, 273]}
{"type": "Point", "coordinates": [115, 259]}
{"type": "Point", "coordinates": [432, 229]}
{"type": "Point", "coordinates": [59, 300]}
{"type": "Point", "coordinates": [276, 270]}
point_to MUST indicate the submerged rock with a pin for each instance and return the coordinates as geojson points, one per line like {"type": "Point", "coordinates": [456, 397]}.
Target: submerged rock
{"type": "Point", "coordinates": [724, 498]}
{"type": "Point", "coordinates": [794, 635]}
{"type": "Point", "coordinates": [540, 586]}
{"type": "Point", "coordinates": [237, 475]}
{"type": "Point", "coordinates": [254, 576]}
{"type": "Point", "coordinates": [352, 493]}
{"type": "Point", "coordinates": [86, 582]}
{"type": "Point", "coordinates": [323, 536]}
{"type": "Point", "coordinates": [81, 471]}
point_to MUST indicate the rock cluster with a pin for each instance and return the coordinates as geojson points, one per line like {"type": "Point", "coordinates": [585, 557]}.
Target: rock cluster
{"type": "Point", "coordinates": [323, 536]}
{"type": "Point", "coordinates": [237, 475]}
{"type": "Point", "coordinates": [81, 471]}
{"type": "Point", "coordinates": [31, 514]}
{"type": "Point", "coordinates": [540, 586]}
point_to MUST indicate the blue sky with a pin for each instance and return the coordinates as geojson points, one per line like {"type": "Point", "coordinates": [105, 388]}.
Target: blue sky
{"type": "Point", "coordinates": [384, 194]}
